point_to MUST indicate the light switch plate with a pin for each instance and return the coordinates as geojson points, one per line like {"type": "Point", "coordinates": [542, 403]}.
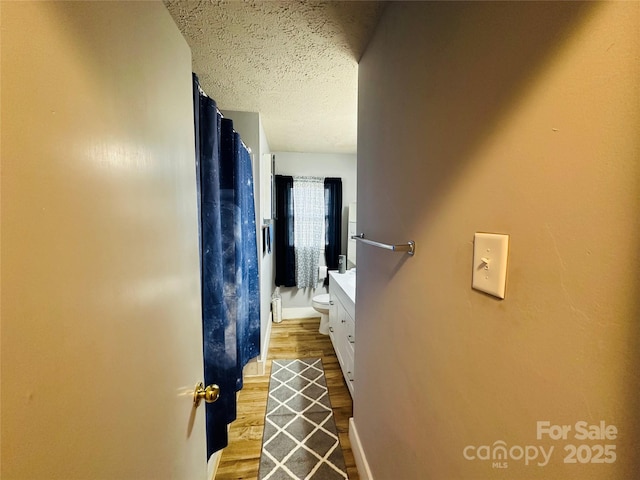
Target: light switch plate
{"type": "Point", "coordinates": [490, 251]}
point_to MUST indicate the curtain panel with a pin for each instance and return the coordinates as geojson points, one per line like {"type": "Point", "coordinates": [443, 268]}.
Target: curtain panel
{"type": "Point", "coordinates": [284, 224]}
{"type": "Point", "coordinates": [333, 223]}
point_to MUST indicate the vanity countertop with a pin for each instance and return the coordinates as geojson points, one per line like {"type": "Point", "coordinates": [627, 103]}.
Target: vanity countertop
{"type": "Point", "coordinates": [347, 283]}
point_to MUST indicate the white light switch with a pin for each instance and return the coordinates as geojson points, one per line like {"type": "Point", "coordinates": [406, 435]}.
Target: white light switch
{"type": "Point", "coordinates": [490, 252]}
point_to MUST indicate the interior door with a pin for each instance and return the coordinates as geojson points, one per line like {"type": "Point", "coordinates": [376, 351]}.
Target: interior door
{"type": "Point", "coordinates": [101, 319]}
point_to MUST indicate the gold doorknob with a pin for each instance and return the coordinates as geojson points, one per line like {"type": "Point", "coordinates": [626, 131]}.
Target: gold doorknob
{"type": "Point", "coordinates": [209, 394]}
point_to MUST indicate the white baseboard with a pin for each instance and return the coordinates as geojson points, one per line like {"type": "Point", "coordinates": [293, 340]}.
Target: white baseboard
{"type": "Point", "coordinates": [212, 464]}
{"type": "Point", "coordinates": [358, 453]}
{"type": "Point", "coordinates": [299, 312]}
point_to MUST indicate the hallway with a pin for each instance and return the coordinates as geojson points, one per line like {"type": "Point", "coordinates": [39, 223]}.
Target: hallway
{"type": "Point", "coordinates": [290, 339]}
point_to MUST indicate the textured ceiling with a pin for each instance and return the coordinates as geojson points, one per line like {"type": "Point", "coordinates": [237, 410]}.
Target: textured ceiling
{"type": "Point", "coordinates": [295, 62]}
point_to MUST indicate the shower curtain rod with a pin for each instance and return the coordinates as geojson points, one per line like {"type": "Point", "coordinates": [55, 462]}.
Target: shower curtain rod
{"type": "Point", "coordinates": [409, 247]}
{"type": "Point", "coordinates": [204, 94]}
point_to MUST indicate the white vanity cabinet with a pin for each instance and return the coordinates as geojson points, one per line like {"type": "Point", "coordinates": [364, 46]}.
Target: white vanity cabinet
{"type": "Point", "coordinates": [342, 326]}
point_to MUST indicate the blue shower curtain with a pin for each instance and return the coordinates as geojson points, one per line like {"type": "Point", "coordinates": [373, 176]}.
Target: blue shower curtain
{"type": "Point", "coordinates": [228, 260]}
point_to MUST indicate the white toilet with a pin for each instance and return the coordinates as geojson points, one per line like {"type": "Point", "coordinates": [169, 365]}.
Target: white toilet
{"type": "Point", "coordinates": [321, 304]}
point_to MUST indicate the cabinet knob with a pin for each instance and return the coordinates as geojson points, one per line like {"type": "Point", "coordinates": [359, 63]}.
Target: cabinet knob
{"type": "Point", "coordinates": [351, 339]}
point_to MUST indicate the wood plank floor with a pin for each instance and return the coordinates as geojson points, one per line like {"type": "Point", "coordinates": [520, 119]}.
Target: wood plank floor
{"type": "Point", "coordinates": [289, 339]}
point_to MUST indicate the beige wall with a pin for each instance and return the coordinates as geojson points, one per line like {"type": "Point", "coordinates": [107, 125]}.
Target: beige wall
{"type": "Point", "coordinates": [512, 118]}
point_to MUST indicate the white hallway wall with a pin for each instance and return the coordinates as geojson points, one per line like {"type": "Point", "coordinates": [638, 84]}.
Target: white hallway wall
{"type": "Point", "coordinates": [320, 165]}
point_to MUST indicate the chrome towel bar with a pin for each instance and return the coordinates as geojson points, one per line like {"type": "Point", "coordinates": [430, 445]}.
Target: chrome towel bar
{"type": "Point", "coordinates": [409, 247]}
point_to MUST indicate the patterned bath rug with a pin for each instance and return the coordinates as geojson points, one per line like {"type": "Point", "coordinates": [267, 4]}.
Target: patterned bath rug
{"type": "Point", "coordinates": [300, 440]}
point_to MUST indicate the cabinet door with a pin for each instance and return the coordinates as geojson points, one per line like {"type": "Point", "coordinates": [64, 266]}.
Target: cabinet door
{"type": "Point", "coordinates": [350, 330]}
{"type": "Point", "coordinates": [349, 347]}
{"type": "Point", "coordinates": [334, 323]}
{"type": "Point", "coordinates": [334, 318]}
{"type": "Point", "coordinates": [338, 336]}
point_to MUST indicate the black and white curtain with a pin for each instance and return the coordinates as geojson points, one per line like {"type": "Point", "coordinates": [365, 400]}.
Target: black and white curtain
{"type": "Point", "coordinates": [303, 204]}
{"type": "Point", "coordinates": [308, 210]}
